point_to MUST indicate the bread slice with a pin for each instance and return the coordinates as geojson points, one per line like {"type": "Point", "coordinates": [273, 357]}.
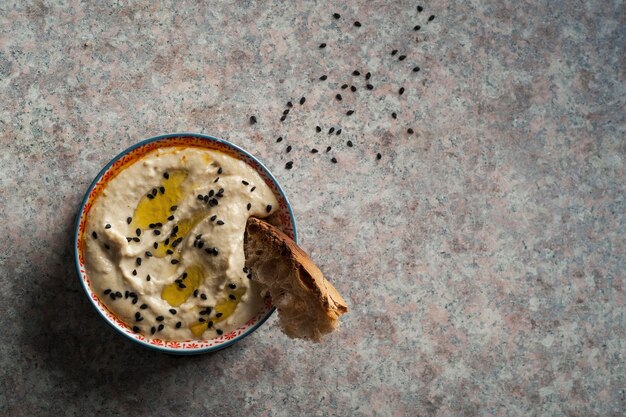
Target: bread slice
{"type": "Point", "coordinates": [308, 305]}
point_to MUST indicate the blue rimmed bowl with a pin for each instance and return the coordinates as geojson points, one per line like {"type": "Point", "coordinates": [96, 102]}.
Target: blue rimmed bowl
{"type": "Point", "coordinates": [284, 217]}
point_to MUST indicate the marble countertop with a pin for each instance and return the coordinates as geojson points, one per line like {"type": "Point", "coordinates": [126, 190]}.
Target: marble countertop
{"type": "Point", "coordinates": [482, 255]}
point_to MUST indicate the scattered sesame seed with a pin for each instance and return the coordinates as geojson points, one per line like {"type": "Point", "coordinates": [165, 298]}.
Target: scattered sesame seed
{"type": "Point", "coordinates": [138, 260]}
{"type": "Point", "coordinates": [343, 87]}
{"type": "Point", "coordinates": [253, 188]}
{"type": "Point", "coordinates": [394, 115]}
{"type": "Point", "coordinates": [288, 149]}
{"type": "Point", "coordinates": [107, 291]}
{"type": "Point", "coordinates": [357, 24]}
{"type": "Point", "coordinates": [314, 150]}
{"type": "Point", "coordinates": [331, 130]}
{"type": "Point", "coordinates": [160, 318]}
{"type": "Point", "coordinates": [370, 87]}
{"type": "Point", "coordinates": [431, 18]}
{"type": "Point", "coordinates": [136, 329]}
{"type": "Point", "coordinates": [169, 251]}
{"type": "Point", "coordinates": [107, 247]}
{"type": "Point", "coordinates": [323, 77]}
{"type": "Point", "coordinates": [219, 331]}
{"type": "Point", "coordinates": [173, 311]}
{"type": "Point", "coordinates": [401, 90]}
{"type": "Point", "coordinates": [94, 234]}
{"type": "Point", "coordinates": [136, 239]}
{"type": "Point", "coordinates": [216, 179]}
{"type": "Point", "coordinates": [154, 192]}
{"type": "Point", "coordinates": [203, 296]}
{"type": "Point", "coordinates": [349, 143]}
{"type": "Point", "coordinates": [338, 132]}
{"type": "Point", "coordinates": [182, 286]}
{"type": "Point", "coordinates": [232, 296]}
{"type": "Point", "coordinates": [156, 232]}
{"type": "Point", "coordinates": [126, 294]}
{"type": "Point", "coordinates": [152, 330]}
{"type": "Point", "coordinates": [279, 139]}
{"type": "Point", "coordinates": [137, 315]}
{"type": "Point", "coordinates": [129, 239]}
{"type": "Point", "coordinates": [129, 220]}
{"type": "Point", "coordinates": [212, 218]}
{"type": "Point", "coordinates": [302, 100]}
{"type": "Point", "coordinates": [148, 254]}
{"type": "Point", "coordinates": [162, 190]}
{"type": "Point", "coordinates": [286, 112]}
{"type": "Point", "coordinates": [134, 272]}
{"type": "Point", "coordinates": [336, 15]}
{"type": "Point", "coordinates": [416, 69]}
{"type": "Point", "coordinates": [143, 306]}
{"type": "Point", "coordinates": [148, 278]}
{"type": "Point", "coordinates": [174, 261]}
{"type": "Point", "coordinates": [289, 104]}
{"type": "Point", "coordinates": [328, 149]}
{"type": "Point", "coordinates": [338, 97]}
{"type": "Point", "coordinates": [219, 222]}
{"type": "Point", "coordinates": [173, 208]}
{"type": "Point", "coordinates": [322, 45]}
{"type": "Point", "coordinates": [209, 324]}
{"type": "Point", "coordinates": [378, 156]}
{"type": "Point", "coordinates": [368, 75]}
{"type": "Point", "coordinates": [118, 294]}
{"type": "Point", "coordinates": [107, 226]}
{"type": "Point", "coordinates": [161, 327]}
{"type": "Point", "coordinates": [166, 175]}
{"type": "Point", "coordinates": [244, 182]}
{"type": "Point", "coordinates": [289, 165]}
{"type": "Point", "coordinates": [318, 129]}
{"type": "Point", "coordinates": [409, 131]}
{"type": "Point", "coordinates": [268, 208]}
{"type": "Point", "coordinates": [179, 324]}
{"type": "Point", "coordinates": [232, 286]}
{"type": "Point", "coordinates": [420, 9]}
{"type": "Point", "coordinates": [401, 57]}
{"type": "Point", "coordinates": [417, 27]}
{"type": "Point", "coordinates": [252, 120]}
{"type": "Point", "coordinates": [333, 160]}
{"type": "Point", "coordinates": [248, 206]}
{"type": "Point", "coordinates": [349, 112]}
{"type": "Point", "coordinates": [395, 51]}
{"type": "Point", "coordinates": [356, 73]}
{"type": "Point", "coordinates": [353, 89]}
{"type": "Point", "coordinates": [219, 171]}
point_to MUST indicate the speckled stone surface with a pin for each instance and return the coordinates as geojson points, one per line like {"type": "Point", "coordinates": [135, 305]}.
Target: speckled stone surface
{"type": "Point", "coordinates": [482, 256]}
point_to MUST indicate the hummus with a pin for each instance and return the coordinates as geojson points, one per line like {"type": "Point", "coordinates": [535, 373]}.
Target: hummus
{"type": "Point", "coordinates": [164, 243]}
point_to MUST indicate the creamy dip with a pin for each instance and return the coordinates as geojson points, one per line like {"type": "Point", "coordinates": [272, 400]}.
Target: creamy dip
{"type": "Point", "coordinates": [164, 243]}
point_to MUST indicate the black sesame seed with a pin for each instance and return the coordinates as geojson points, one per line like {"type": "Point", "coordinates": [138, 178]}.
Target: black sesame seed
{"type": "Point", "coordinates": [167, 241]}
{"type": "Point", "coordinates": [118, 294]}
{"type": "Point", "coordinates": [203, 296]}
{"type": "Point", "coordinates": [417, 27]}
{"type": "Point", "coordinates": [185, 275]}
{"type": "Point", "coordinates": [232, 286]}
{"type": "Point", "coordinates": [286, 112]}
{"type": "Point", "coordinates": [370, 87]}
{"type": "Point", "coordinates": [94, 234]}
{"type": "Point", "coordinates": [129, 220]}
{"type": "Point", "coordinates": [331, 130]}
{"type": "Point", "coordinates": [136, 239]}
{"type": "Point", "coordinates": [216, 179]}
{"type": "Point", "coordinates": [160, 318]}
{"type": "Point", "coordinates": [166, 175]}
{"type": "Point", "coordinates": [195, 293]}
{"type": "Point", "coordinates": [148, 254]}
{"type": "Point", "coordinates": [175, 230]}
{"type": "Point", "coordinates": [107, 226]}
{"type": "Point", "coordinates": [431, 18]}
{"type": "Point", "coordinates": [289, 165]}
{"type": "Point", "coordinates": [349, 112]}
{"type": "Point", "coordinates": [138, 232]}
{"type": "Point", "coordinates": [289, 104]}
{"type": "Point", "coordinates": [394, 115]}
{"type": "Point", "coordinates": [252, 120]}
{"type": "Point", "coordinates": [154, 192]}
{"type": "Point", "coordinates": [152, 330]}
{"type": "Point", "coordinates": [356, 73]}
{"type": "Point", "coordinates": [150, 197]}
{"type": "Point", "coordinates": [162, 190]}
{"type": "Point", "coordinates": [401, 90]}
{"type": "Point", "coordinates": [137, 315]}
{"type": "Point", "coordinates": [333, 160]}
{"type": "Point", "coordinates": [323, 77]}
{"type": "Point", "coordinates": [212, 218]}
{"type": "Point", "coordinates": [136, 329]}
{"type": "Point", "coordinates": [201, 320]}
{"type": "Point", "coordinates": [395, 51]}
{"type": "Point", "coordinates": [378, 156]}
{"type": "Point", "coordinates": [416, 69]}
{"type": "Point", "coordinates": [182, 286]}
{"type": "Point", "coordinates": [357, 24]}
{"type": "Point", "coordinates": [244, 182]}
{"type": "Point", "coordinates": [268, 208]}
{"type": "Point", "coordinates": [169, 251]}
{"type": "Point", "coordinates": [343, 87]}
{"type": "Point", "coordinates": [322, 45]}
{"type": "Point", "coordinates": [138, 260]}
{"type": "Point", "coordinates": [148, 278]}
{"type": "Point", "coordinates": [232, 296]}
{"type": "Point", "coordinates": [134, 301]}
{"type": "Point", "coordinates": [107, 291]}
{"type": "Point", "coordinates": [283, 118]}
{"type": "Point", "coordinates": [143, 306]}
{"type": "Point", "coordinates": [353, 89]}
{"type": "Point", "coordinates": [336, 15]}
{"type": "Point", "coordinates": [349, 143]}
{"type": "Point", "coordinates": [338, 132]}
{"type": "Point", "coordinates": [170, 218]}
{"type": "Point", "coordinates": [126, 294]}
{"type": "Point", "coordinates": [173, 208]}
{"type": "Point", "coordinates": [200, 197]}
{"type": "Point", "coordinates": [107, 247]}
{"type": "Point", "coordinates": [218, 315]}
{"type": "Point", "coordinates": [152, 225]}
{"type": "Point", "coordinates": [302, 100]}
{"type": "Point", "coordinates": [288, 149]}
{"type": "Point", "coordinates": [174, 261]}
{"type": "Point", "coordinates": [318, 129]}
{"type": "Point", "coordinates": [134, 272]}
{"type": "Point", "coordinates": [253, 188]}
{"type": "Point", "coordinates": [219, 331]}
{"type": "Point", "coordinates": [409, 131]}
{"type": "Point", "coordinates": [200, 244]}
{"type": "Point", "coordinates": [420, 9]}
{"type": "Point", "coordinates": [249, 276]}
{"type": "Point", "coordinates": [314, 150]}
{"type": "Point", "coordinates": [280, 138]}
{"type": "Point", "coordinates": [112, 295]}
{"type": "Point", "coordinates": [401, 57]}
{"type": "Point", "coordinates": [129, 239]}
{"type": "Point", "coordinates": [219, 222]}
{"type": "Point", "coordinates": [328, 149]}
{"type": "Point", "coordinates": [178, 325]}
{"type": "Point", "coordinates": [248, 206]}
{"type": "Point", "coordinates": [338, 97]}
{"type": "Point", "coordinates": [161, 327]}
{"type": "Point", "coordinates": [210, 324]}
{"type": "Point", "coordinates": [368, 76]}
{"type": "Point", "coordinates": [245, 269]}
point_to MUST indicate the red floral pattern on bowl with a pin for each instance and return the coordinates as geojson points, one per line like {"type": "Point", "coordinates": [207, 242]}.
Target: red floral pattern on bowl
{"type": "Point", "coordinates": [284, 217]}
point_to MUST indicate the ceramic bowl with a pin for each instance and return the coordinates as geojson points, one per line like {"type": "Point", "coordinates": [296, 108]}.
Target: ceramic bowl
{"type": "Point", "coordinates": [284, 217]}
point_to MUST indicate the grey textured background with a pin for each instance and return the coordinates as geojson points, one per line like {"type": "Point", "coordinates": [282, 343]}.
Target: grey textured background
{"type": "Point", "coordinates": [482, 256]}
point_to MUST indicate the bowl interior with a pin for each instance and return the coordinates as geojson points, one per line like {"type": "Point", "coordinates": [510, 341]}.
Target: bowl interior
{"type": "Point", "coordinates": [283, 219]}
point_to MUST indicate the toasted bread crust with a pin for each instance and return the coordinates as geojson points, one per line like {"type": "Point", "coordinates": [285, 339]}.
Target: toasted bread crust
{"type": "Point", "coordinates": [308, 304]}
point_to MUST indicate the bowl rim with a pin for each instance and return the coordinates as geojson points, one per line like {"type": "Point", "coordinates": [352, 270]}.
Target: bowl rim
{"type": "Point", "coordinates": [79, 216]}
